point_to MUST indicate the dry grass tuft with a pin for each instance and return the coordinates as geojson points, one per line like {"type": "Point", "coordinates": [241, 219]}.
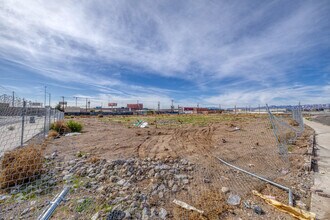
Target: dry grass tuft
{"type": "Point", "coordinates": [53, 134]}
{"type": "Point", "coordinates": [21, 165]}
{"type": "Point", "coordinates": [293, 122]}
{"type": "Point", "coordinates": [94, 159]}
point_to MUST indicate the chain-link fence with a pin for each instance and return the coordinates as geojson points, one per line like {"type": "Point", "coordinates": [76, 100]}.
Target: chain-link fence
{"type": "Point", "coordinates": [24, 173]}
{"type": "Point", "coordinates": [198, 160]}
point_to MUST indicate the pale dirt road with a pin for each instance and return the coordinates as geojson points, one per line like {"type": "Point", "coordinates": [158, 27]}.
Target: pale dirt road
{"type": "Point", "coordinates": [320, 203]}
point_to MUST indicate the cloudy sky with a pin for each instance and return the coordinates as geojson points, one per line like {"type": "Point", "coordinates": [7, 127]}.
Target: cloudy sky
{"type": "Point", "coordinates": [209, 52]}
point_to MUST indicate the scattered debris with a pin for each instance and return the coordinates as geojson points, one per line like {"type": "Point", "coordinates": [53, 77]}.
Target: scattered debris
{"type": "Point", "coordinates": [223, 140]}
{"type": "Point", "coordinates": [295, 212]}
{"type": "Point", "coordinates": [235, 129]}
{"type": "Point", "coordinates": [72, 134]}
{"type": "Point", "coordinates": [186, 206]}
{"type": "Point", "coordinates": [95, 216]}
{"type": "Point", "coordinates": [234, 199]}
{"type": "Point", "coordinates": [225, 189]}
{"type": "Point", "coordinates": [141, 124]}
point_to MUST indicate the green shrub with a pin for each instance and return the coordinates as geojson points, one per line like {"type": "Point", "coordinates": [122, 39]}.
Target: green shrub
{"type": "Point", "coordinates": [60, 127]}
{"type": "Point", "coordinates": [74, 126]}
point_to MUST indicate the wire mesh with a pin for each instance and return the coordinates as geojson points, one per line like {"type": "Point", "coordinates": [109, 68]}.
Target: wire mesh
{"type": "Point", "coordinates": [144, 183]}
{"type": "Point", "coordinates": [25, 174]}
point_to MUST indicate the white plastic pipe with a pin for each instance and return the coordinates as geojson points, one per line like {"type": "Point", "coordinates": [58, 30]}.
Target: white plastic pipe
{"type": "Point", "coordinates": [46, 215]}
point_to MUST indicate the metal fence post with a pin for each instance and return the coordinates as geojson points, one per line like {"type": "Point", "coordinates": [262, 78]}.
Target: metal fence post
{"type": "Point", "coordinates": [45, 119]}
{"type": "Point", "coordinates": [49, 118]}
{"type": "Point", "coordinates": [23, 119]}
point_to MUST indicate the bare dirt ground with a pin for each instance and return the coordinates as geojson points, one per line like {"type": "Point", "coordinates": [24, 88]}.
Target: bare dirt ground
{"type": "Point", "coordinates": [198, 140]}
{"type": "Point", "coordinates": [246, 141]}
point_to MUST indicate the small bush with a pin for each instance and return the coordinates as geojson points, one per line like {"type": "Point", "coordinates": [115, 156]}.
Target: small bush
{"type": "Point", "coordinates": [60, 127]}
{"type": "Point", "coordinates": [21, 165]}
{"type": "Point", "coordinates": [100, 116]}
{"type": "Point", "coordinates": [74, 126]}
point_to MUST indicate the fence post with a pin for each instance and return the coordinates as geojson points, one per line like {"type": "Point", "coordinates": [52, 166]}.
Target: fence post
{"type": "Point", "coordinates": [23, 119]}
{"type": "Point", "coordinates": [49, 118]}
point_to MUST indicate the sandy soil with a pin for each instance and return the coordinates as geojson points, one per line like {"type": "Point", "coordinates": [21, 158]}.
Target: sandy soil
{"type": "Point", "coordinates": [246, 141]}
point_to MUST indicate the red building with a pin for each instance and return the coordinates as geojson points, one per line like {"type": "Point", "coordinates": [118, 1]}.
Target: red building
{"type": "Point", "coordinates": [134, 107]}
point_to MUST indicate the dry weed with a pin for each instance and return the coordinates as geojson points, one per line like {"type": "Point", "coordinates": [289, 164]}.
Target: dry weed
{"type": "Point", "coordinates": [21, 165]}
{"type": "Point", "coordinates": [53, 134]}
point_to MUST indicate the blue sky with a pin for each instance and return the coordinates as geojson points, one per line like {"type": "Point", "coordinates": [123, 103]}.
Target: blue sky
{"type": "Point", "coordinates": [207, 52]}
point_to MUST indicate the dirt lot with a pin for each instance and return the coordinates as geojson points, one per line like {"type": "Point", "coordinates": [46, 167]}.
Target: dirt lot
{"type": "Point", "coordinates": [189, 145]}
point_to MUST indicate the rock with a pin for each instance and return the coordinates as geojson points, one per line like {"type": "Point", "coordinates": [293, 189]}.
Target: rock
{"type": "Point", "coordinates": [225, 189]}
{"type": "Point", "coordinates": [234, 199]}
{"type": "Point", "coordinates": [206, 180]}
{"type": "Point", "coordinates": [100, 177]}
{"type": "Point", "coordinates": [180, 176]}
{"type": "Point", "coordinates": [67, 177]}
{"type": "Point", "coordinates": [121, 182]}
{"type": "Point", "coordinates": [145, 213]}
{"type": "Point", "coordinates": [71, 162]}
{"type": "Point", "coordinates": [170, 183]}
{"type": "Point", "coordinates": [161, 195]}
{"type": "Point", "coordinates": [114, 179]}
{"type": "Point", "coordinates": [26, 211]}
{"type": "Point", "coordinates": [95, 216]}
{"type": "Point", "coordinates": [161, 187]}
{"type": "Point", "coordinates": [119, 162]}
{"type": "Point", "coordinates": [79, 201]}
{"type": "Point", "coordinates": [4, 197]}
{"type": "Point", "coordinates": [258, 210]}
{"type": "Point", "coordinates": [184, 161]}
{"type": "Point", "coordinates": [185, 181]}
{"type": "Point", "coordinates": [101, 189]}
{"type": "Point", "coordinates": [162, 167]}
{"type": "Point", "coordinates": [162, 213]}
{"type": "Point", "coordinates": [175, 188]}
{"type": "Point", "coordinates": [116, 215]}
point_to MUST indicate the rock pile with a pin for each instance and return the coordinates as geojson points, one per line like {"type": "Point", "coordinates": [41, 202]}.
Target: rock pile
{"type": "Point", "coordinates": [134, 188]}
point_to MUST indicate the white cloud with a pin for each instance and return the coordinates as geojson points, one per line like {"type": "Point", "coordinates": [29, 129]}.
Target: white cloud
{"type": "Point", "coordinates": [201, 41]}
{"type": "Point", "coordinates": [273, 96]}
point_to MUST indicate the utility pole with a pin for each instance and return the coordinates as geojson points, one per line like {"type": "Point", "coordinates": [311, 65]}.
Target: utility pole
{"type": "Point", "coordinates": [13, 99]}
{"type": "Point", "coordinates": [49, 96]}
{"type": "Point", "coordinates": [197, 105]}
{"type": "Point", "coordinates": [76, 100]}
{"type": "Point", "coordinates": [45, 97]}
{"type": "Point", "coordinates": [86, 104]}
{"type": "Point", "coordinates": [158, 105]}
{"type": "Point", "coordinates": [172, 106]}
{"type": "Point", "coordinates": [235, 109]}
{"type": "Point", "coordinates": [63, 102]}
